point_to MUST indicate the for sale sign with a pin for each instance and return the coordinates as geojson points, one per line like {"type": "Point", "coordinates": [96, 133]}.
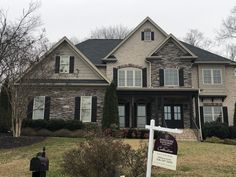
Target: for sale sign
{"type": "Point", "coordinates": [165, 152]}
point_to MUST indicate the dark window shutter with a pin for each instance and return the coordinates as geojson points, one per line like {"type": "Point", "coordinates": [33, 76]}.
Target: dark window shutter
{"type": "Point", "coordinates": [148, 113]}
{"type": "Point", "coordinates": [115, 76]}
{"type": "Point", "coordinates": [77, 108]}
{"type": "Point", "coordinates": [127, 115]}
{"type": "Point", "coordinates": [47, 108]}
{"type": "Point", "coordinates": [142, 36]}
{"type": "Point", "coordinates": [144, 72]}
{"type": "Point", "coordinates": [57, 64]}
{"type": "Point", "coordinates": [181, 77]}
{"type": "Point", "coordinates": [72, 61]}
{"type": "Point", "coordinates": [94, 109]}
{"type": "Point", "coordinates": [30, 108]}
{"type": "Point", "coordinates": [225, 115]}
{"type": "Point", "coordinates": [161, 77]}
{"type": "Point", "coordinates": [201, 116]}
{"type": "Point", "coordinates": [152, 36]}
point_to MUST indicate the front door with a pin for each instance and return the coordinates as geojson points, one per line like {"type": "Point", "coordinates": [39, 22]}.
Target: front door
{"type": "Point", "coordinates": [173, 116]}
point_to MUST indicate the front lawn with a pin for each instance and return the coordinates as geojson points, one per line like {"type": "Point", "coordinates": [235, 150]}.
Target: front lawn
{"type": "Point", "coordinates": [194, 159]}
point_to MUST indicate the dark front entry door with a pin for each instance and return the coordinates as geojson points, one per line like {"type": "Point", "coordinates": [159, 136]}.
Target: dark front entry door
{"type": "Point", "coordinates": [173, 116]}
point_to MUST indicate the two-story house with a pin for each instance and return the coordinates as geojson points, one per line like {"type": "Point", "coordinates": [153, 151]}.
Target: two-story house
{"type": "Point", "coordinates": [158, 77]}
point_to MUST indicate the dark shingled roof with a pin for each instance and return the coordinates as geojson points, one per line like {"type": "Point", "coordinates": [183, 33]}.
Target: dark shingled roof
{"type": "Point", "coordinates": [97, 49]}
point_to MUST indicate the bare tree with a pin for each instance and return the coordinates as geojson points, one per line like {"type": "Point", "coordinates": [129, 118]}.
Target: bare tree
{"type": "Point", "coordinates": [197, 38]}
{"type": "Point", "coordinates": [231, 51]}
{"type": "Point", "coordinates": [111, 32]}
{"type": "Point", "coordinates": [228, 29]}
{"type": "Point", "coordinates": [20, 47]}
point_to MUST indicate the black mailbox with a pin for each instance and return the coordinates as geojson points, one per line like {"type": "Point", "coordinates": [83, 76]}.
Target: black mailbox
{"type": "Point", "coordinates": [39, 164]}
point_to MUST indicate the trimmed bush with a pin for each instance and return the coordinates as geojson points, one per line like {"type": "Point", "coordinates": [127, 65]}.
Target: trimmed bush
{"type": "Point", "coordinates": [43, 132]}
{"type": "Point", "coordinates": [53, 124]}
{"type": "Point", "coordinates": [232, 131]}
{"type": "Point", "coordinates": [62, 133]}
{"type": "Point", "coordinates": [216, 129]}
{"type": "Point", "coordinates": [214, 139]}
{"type": "Point", "coordinates": [28, 132]}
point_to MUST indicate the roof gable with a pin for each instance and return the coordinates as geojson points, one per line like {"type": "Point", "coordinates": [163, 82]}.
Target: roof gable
{"type": "Point", "coordinates": [171, 40]}
{"type": "Point", "coordinates": [85, 60]}
{"type": "Point", "coordinates": [147, 19]}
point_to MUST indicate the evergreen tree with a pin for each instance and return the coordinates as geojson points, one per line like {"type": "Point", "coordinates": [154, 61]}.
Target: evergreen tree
{"type": "Point", "coordinates": [5, 108]}
{"type": "Point", "coordinates": [235, 114]}
{"type": "Point", "coordinates": [110, 108]}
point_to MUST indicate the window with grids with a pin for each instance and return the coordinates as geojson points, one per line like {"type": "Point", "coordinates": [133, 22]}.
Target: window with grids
{"type": "Point", "coordinates": [38, 107]}
{"type": "Point", "coordinates": [121, 109]}
{"type": "Point", "coordinates": [177, 113]}
{"type": "Point", "coordinates": [212, 76]}
{"type": "Point", "coordinates": [64, 64]}
{"type": "Point", "coordinates": [141, 116]}
{"type": "Point", "coordinates": [86, 108]}
{"type": "Point", "coordinates": [147, 35]}
{"type": "Point", "coordinates": [171, 77]}
{"type": "Point", "coordinates": [167, 112]}
{"type": "Point", "coordinates": [212, 113]}
{"type": "Point", "coordinates": [130, 77]}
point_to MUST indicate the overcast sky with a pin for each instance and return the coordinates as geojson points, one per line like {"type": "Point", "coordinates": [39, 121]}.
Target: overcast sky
{"type": "Point", "coordinates": [76, 18]}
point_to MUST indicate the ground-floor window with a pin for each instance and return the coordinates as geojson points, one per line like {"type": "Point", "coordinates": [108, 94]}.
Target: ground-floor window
{"type": "Point", "coordinates": [38, 107]}
{"type": "Point", "coordinates": [121, 109]}
{"type": "Point", "coordinates": [172, 112]}
{"type": "Point", "coordinates": [212, 113]}
{"type": "Point", "coordinates": [86, 108]}
{"type": "Point", "coordinates": [141, 116]}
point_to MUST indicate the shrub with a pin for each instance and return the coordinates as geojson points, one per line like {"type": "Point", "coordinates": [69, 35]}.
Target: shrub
{"type": "Point", "coordinates": [62, 133]}
{"type": "Point", "coordinates": [217, 129]}
{"type": "Point", "coordinates": [78, 134]}
{"type": "Point", "coordinates": [96, 157]}
{"type": "Point", "coordinates": [28, 132]}
{"type": "Point", "coordinates": [230, 141]}
{"type": "Point", "coordinates": [44, 132]}
{"type": "Point", "coordinates": [214, 139]}
{"type": "Point", "coordinates": [53, 124]}
{"type": "Point", "coordinates": [232, 131]}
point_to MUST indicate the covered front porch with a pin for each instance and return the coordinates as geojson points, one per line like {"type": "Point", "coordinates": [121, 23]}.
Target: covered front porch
{"type": "Point", "coordinates": [172, 108]}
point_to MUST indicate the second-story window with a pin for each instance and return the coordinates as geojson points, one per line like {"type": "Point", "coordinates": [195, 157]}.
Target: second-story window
{"type": "Point", "coordinates": [212, 76]}
{"type": "Point", "coordinates": [129, 77]}
{"type": "Point", "coordinates": [147, 35]}
{"type": "Point", "coordinates": [171, 77]}
{"type": "Point", "coordinates": [64, 64]}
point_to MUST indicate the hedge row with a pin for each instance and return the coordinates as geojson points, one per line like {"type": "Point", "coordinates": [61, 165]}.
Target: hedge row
{"type": "Point", "coordinates": [53, 124]}
{"type": "Point", "coordinates": [217, 129]}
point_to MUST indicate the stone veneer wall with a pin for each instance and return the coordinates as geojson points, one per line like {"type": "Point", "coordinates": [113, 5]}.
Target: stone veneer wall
{"type": "Point", "coordinates": [169, 58]}
{"type": "Point", "coordinates": [63, 99]}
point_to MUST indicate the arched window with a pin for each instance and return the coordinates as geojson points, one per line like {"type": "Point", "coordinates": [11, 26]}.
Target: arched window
{"type": "Point", "coordinates": [130, 77]}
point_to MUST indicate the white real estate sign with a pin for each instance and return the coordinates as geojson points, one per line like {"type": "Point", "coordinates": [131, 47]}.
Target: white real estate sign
{"type": "Point", "coordinates": [164, 160]}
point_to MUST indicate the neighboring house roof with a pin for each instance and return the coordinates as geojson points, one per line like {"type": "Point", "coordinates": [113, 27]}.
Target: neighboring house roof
{"type": "Point", "coordinates": [95, 49]}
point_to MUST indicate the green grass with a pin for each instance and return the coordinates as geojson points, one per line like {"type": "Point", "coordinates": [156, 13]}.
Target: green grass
{"type": "Point", "coordinates": [195, 159]}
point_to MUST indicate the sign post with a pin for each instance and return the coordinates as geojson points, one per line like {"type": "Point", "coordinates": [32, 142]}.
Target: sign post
{"type": "Point", "coordinates": [153, 128]}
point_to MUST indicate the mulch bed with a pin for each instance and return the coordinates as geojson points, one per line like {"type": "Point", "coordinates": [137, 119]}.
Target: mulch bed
{"type": "Point", "coordinates": [7, 142]}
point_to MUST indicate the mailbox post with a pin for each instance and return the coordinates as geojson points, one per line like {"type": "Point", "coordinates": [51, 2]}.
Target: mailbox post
{"type": "Point", "coordinates": [39, 164]}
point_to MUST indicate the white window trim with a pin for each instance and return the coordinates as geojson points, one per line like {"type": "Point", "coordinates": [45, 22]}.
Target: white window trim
{"type": "Point", "coordinates": [67, 57]}
{"type": "Point", "coordinates": [34, 109]}
{"type": "Point", "coordinates": [177, 76]}
{"type": "Point", "coordinates": [81, 103]}
{"type": "Point", "coordinates": [213, 113]}
{"type": "Point", "coordinates": [212, 77]}
{"type": "Point", "coordinates": [150, 35]}
{"type": "Point", "coordinates": [133, 70]}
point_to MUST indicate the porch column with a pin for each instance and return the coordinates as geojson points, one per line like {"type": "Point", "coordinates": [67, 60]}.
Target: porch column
{"type": "Point", "coordinates": [133, 117]}
{"type": "Point", "coordinates": [162, 110]}
{"type": "Point", "coordinates": [196, 110]}
{"type": "Point", "coordinates": [191, 110]}
{"type": "Point", "coordinates": [156, 111]}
